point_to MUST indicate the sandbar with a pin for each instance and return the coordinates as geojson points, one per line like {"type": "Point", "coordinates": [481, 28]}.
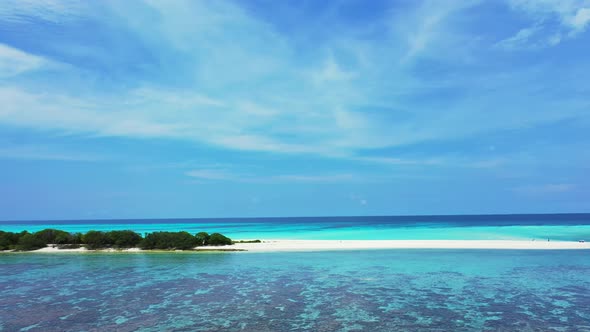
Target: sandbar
{"type": "Point", "coordinates": [319, 245]}
{"type": "Point", "coordinates": [282, 245]}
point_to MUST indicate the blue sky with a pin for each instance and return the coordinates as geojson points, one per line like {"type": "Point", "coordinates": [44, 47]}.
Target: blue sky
{"type": "Point", "coordinates": [155, 109]}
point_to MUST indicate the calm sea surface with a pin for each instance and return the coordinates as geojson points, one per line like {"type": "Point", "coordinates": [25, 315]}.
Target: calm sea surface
{"type": "Point", "coordinates": [373, 290]}
{"type": "Point", "coordinates": [567, 227]}
{"type": "Point", "coordinates": [385, 290]}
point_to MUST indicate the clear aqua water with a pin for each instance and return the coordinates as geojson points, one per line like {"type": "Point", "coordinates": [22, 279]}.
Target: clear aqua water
{"type": "Point", "coordinates": [385, 290]}
{"type": "Point", "coordinates": [566, 227]}
{"type": "Point", "coordinates": [374, 290]}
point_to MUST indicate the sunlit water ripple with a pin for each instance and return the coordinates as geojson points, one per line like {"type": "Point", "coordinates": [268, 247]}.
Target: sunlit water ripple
{"type": "Point", "coordinates": [385, 290]}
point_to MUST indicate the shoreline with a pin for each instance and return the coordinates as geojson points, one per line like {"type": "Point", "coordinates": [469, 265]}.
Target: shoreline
{"type": "Point", "coordinates": [286, 245]}
{"type": "Point", "coordinates": [327, 245]}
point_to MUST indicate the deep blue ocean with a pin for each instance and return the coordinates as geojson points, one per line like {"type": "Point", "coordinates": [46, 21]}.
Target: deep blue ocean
{"type": "Point", "coordinates": [371, 290]}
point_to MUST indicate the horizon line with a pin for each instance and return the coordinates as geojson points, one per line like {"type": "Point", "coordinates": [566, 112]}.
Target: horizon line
{"type": "Point", "coordinates": [307, 217]}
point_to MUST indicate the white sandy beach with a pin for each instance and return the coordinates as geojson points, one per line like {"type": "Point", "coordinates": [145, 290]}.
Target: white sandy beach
{"type": "Point", "coordinates": [327, 245]}
{"type": "Point", "coordinates": [319, 245]}
{"type": "Point", "coordinates": [51, 249]}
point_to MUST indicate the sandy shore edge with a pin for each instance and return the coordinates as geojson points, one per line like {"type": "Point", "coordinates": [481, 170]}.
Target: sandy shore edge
{"type": "Point", "coordinates": [282, 245]}
{"type": "Point", "coordinates": [318, 245]}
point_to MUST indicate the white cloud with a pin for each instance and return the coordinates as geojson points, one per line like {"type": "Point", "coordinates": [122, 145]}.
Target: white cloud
{"type": "Point", "coordinates": [358, 199]}
{"type": "Point", "coordinates": [58, 112]}
{"type": "Point", "coordinates": [520, 39]}
{"type": "Point", "coordinates": [249, 89]}
{"type": "Point", "coordinates": [489, 163]}
{"type": "Point", "coordinates": [545, 189]}
{"type": "Point", "coordinates": [554, 21]}
{"type": "Point", "coordinates": [254, 109]}
{"type": "Point", "coordinates": [336, 178]}
{"type": "Point", "coordinates": [438, 161]}
{"type": "Point", "coordinates": [331, 72]}
{"type": "Point", "coordinates": [425, 33]}
{"type": "Point", "coordinates": [425, 28]}
{"type": "Point", "coordinates": [400, 161]}
{"type": "Point", "coordinates": [160, 115]}
{"type": "Point", "coordinates": [554, 39]}
{"type": "Point", "coordinates": [580, 19]}
{"type": "Point", "coordinates": [227, 174]}
{"type": "Point", "coordinates": [210, 174]}
{"type": "Point", "coordinates": [55, 11]}
{"type": "Point", "coordinates": [14, 62]}
{"type": "Point", "coordinates": [179, 98]}
{"type": "Point", "coordinates": [43, 152]}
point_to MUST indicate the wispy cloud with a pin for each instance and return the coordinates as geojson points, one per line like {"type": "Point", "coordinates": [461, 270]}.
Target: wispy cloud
{"type": "Point", "coordinates": [335, 178]}
{"type": "Point", "coordinates": [398, 95]}
{"type": "Point", "coordinates": [211, 174]}
{"type": "Point", "coordinates": [545, 189]}
{"type": "Point", "coordinates": [521, 39]}
{"type": "Point", "coordinates": [573, 15]}
{"type": "Point", "coordinates": [553, 21]}
{"type": "Point", "coordinates": [400, 161]}
{"type": "Point", "coordinates": [489, 163]}
{"type": "Point", "coordinates": [359, 199]}
{"type": "Point", "coordinates": [14, 62]}
{"type": "Point", "coordinates": [55, 11]}
{"type": "Point", "coordinates": [445, 161]}
{"type": "Point", "coordinates": [228, 174]}
{"type": "Point", "coordinates": [348, 95]}
{"type": "Point", "coordinates": [331, 72]}
{"type": "Point", "coordinates": [428, 28]}
{"type": "Point", "coordinates": [44, 152]}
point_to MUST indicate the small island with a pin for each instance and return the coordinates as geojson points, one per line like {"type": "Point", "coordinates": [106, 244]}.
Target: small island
{"type": "Point", "coordinates": [55, 240]}
{"type": "Point", "coordinates": [109, 240]}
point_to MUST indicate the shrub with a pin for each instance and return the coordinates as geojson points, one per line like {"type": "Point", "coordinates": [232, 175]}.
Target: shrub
{"type": "Point", "coordinates": [217, 239]}
{"type": "Point", "coordinates": [68, 246]}
{"type": "Point", "coordinates": [57, 236]}
{"type": "Point", "coordinates": [30, 242]}
{"type": "Point", "coordinates": [168, 240]}
{"type": "Point", "coordinates": [8, 240]}
{"type": "Point", "coordinates": [202, 238]}
{"type": "Point", "coordinates": [77, 238]}
{"type": "Point", "coordinates": [247, 241]}
{"type": "Point", "coordinates": [124, 239]}
{"type": "Point", "coordinates": [120, 239]}
{"type": "Point", "coordinates": [64, 238]}
{"type": "Point", "coordinates": [96, 240]}
{"type": "Point", "coordinates": [184, 240]}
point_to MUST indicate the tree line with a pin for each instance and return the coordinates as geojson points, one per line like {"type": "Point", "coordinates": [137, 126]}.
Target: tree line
{"type": "Point", "coordinates": [121, 239]}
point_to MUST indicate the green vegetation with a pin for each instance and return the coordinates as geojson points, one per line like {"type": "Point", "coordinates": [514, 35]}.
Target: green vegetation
{"type": "Point", "coordinates": [217, 239]}
{"type": "Point", "coordinates": [247, 241]}
{"type": "Point", "coordinates": [9, 240]}
{"type": "Point", "coordinates": [202, 238]}
{"type": "Point", "coordinates": [69, 246]}
{"type": "Point", "coordinates": [30, 242]}
{"type": "Point", "coordinates": [169, 240]}
{"type": "Point", "coordinates": [54, 236]}
{"type": "Point", "coordinates": [124, 239]}
{"type": "Point", "coordinates": [112, 239]}
{"type": "Point", "coordinates": [25, 241]}
{"type": "Point", "coordinates": [96, 240]}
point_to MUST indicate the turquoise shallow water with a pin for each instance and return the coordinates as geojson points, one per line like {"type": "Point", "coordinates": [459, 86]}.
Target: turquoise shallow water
{"type": "Point", "coordinates": [389, 290]}
{"type": "Point", "coordinates": [572, 227]}
{"type": "Point", "coordinates": [374, 290]}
